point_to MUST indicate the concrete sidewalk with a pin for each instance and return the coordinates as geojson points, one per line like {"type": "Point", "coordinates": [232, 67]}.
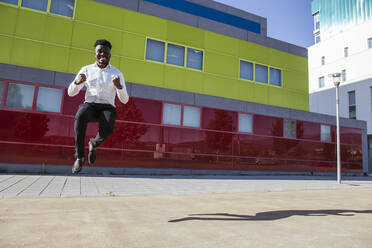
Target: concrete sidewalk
{"type": "Point", "coordinates": [184, 212]}
{"type": "Point", "coordinates": [18, 185]}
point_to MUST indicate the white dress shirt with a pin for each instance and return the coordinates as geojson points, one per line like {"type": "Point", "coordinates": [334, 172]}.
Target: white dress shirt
{"type": "Point", "coordinates": [99, 85]}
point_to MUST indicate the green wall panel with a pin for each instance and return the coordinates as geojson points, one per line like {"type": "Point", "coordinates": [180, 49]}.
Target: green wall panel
{"type": "Point", "coordinates": [295, 81]}
{"type": "Point", "coordinates": [275, 96]}
{"type": "Point", "coordinates": [146, 25]}
{"type": "Point", "coordinates": [242, 90]}
{"type": "Point", "coordinates": [31, 24]}
{"type": "Point", "coordinates": [222, 43]}
{"type": "Point", "coordinates": [133, 46]}
{"type": "Point", "coordinates": [6, 47]}
{"type": "Point", "coordinates": [174, 78]}
{"type": "Point", "coordinates": [142, 72]}
{"type": "Point", "coordinates": [84, 36]}
{"type": "Point", "coordinates": [260, 93]}
{"type": "Point", "coordinates": [99, 13]}
{"type": "Point", "coordinates": [54, 58]}
{"type": "Point", "coordinates": [253, 52]}
{"type": "Point", "coordinates": [58, 30]}
{"type": "Point", "coordinates": [194, 81]}
{"type": "Point", "coordinates": [217, 86]}
{"type": "Point", "coordinates": [26, 53]}
{"type": "Point", "coordinates": [8, 19]}
{"type": "Point", "coordinates": [185, 34]}
{"type": "Point", "coordinates": [78, 59]}
{"type": "Point", "coordinates": [221, 64]}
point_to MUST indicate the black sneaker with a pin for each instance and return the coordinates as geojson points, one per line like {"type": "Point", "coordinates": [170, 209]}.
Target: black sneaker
{"type": "Point", "coordinates": [78, 165]}
{"type": "Point", "coordinates": [92, 153]}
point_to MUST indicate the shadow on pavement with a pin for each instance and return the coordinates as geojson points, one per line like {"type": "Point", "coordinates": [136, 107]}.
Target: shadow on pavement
{"type": "Point", "coordinates": [271, 215]}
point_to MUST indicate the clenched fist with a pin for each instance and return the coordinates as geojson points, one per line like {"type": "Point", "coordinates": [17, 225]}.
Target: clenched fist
{"type": "Point", "coordinates": [80, 79]}
{"type": "Point", "coordinates": [116, 82]}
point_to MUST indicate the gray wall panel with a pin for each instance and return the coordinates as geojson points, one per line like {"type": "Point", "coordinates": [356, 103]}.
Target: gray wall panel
{"type": "Point", "coordinates": [63, 79]}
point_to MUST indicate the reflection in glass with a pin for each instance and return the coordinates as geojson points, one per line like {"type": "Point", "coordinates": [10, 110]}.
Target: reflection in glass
{"type": "Point", "coordinates": [245, 123]}
{"type": "Point", "coordinates": [194, 59]}
{"type": "Point", "coordinates": [261, 73]}
{"type": "Point", "coordinates": [62, 7]}
{"type": "Point", "coordinates": [35, 4]}
{"type": "Point", "coordinates": [2, 85]}
{"type": "Point", "coordinates": [175, 55]}
{"type": "Point", "coordinates": [49, 99]}
{"type": "Point", "coordinates": [325, 133]}
{"type": "Point", "coordinates": [172, 114]}
{"type": "Point", "coordinates": [275, 77]}
{"type": "Point", "coordinates": [290, 129]}
{"type": "Point", "coordinates": [20, 96]}
{"type": "Point", "coordinates": [246, 70]}
{"type": "Point", "coordinates": [191, 116]}
{"type": "Point", "coordinates": [155, 50]}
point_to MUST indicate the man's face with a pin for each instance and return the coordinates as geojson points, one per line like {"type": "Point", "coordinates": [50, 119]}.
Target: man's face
{"type": "Point", "coordinates": [102, 55]}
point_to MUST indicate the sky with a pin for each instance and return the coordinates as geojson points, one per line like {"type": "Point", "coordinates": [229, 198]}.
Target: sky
{"type": "Point", "coordinates": [287, 20]}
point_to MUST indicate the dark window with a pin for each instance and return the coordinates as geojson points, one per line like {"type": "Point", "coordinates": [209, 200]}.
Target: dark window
{"type": "Point", "coordinates": [352, 105]}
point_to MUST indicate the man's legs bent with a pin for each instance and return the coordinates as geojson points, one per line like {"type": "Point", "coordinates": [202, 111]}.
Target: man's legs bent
{"type": "Point", "coordinates": [86, 113]}
{"type": "Point", "coordinates": [106, 122]}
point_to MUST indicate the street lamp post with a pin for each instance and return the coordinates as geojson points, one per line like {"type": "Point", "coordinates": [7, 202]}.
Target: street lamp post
{"type": "Point", "coordinates": [336, 80]}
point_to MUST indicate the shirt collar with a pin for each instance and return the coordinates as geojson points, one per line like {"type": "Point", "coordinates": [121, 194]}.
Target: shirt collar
{"type": "Point", "coordinates": [107, 67]}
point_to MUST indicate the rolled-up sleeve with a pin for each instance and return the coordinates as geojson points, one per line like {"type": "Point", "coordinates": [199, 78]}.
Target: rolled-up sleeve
{"type": "Point", "coordinates": [74, 89]}
{"type": "Point", "coordinates": [122, 93]}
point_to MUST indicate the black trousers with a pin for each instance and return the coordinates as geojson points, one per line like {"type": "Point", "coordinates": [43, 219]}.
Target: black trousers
{"type": "Point", "coordinates": [104, 114]}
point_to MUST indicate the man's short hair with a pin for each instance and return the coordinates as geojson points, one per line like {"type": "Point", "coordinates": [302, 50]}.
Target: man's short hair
{"type": "Point", "coordinates": [105, 43]}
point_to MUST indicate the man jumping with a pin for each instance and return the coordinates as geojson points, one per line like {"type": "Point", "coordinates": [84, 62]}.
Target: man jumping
{"type": "Point", "coordinates": [102, 81]}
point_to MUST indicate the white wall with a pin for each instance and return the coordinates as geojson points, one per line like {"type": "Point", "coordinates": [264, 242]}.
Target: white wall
{"type": "Point", "coordinates": [358, 64]}
{"type": "Point", "coordinates": [358, 67]}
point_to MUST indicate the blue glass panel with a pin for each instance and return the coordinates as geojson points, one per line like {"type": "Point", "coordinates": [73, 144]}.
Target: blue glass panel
{"type": "Point", "coordinates": [209, 13]}
{"type": "Point", "coordinates": [155, 50]}
{"type": "Point", "coordinates": [63, 7]}
{"type": "Point", "coordinates": [245, 123]}
{"type": "Point", "coordinates": [246, 70]}
{"type": "Point", "coordinates": [175, 55]}
{"type": "Point", "coordinates": [261, 73]}
{"type": "Point", "coordinates": [194, 59]}
{"type": "Point", "coordinates": [191, 116]}
{"type": "Point", "coordinates": [275, 77]}
{"type": "Point", "coordinates": [49, 99]}
{"type": "Point", "coordinates": [172, 114]}
{"type": "Point", "coordinates": [35, 4]}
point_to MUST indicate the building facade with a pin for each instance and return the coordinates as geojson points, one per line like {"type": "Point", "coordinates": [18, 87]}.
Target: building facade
{"type": "Point", "coordinates": [343, 43]}
{"type": "Point", "coordinates": [208, 89]}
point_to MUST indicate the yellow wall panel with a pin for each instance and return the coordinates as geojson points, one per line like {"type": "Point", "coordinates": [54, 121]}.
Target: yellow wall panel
{"type": "Point", "coordinates": [8, 19]}
{"type": "Point", "coordinates": [79, 58]}
{"type": "Point", "coordinates": [26, 53]}
{"type": "Point", "coordinates": [221, 64]}
{"type": "Point", "coordinates": [145, 24]}
{"type": "Point", "coordinates": [221, 43]}
{"type": "Point", "coordinates": [99, 13]}
{"type": "Point", "coordinates": [84, 36]}
{"type": "Point", "coordinates": [184, 34]}
{"type": "Point", "coordinates": [54, 58]}
{"type": "Point", "coordinates": [174, 78]}
{"type": "Point", "coordinates": [194, 81]}
{"type": "Point", "coordinates": [6, 47]}
{"type": "Point", "coordinates": [133, 45]}
{"type": "Point", "coordinates": [31, 24]}
{"type": "Point", "coordinates": [58, 30]}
